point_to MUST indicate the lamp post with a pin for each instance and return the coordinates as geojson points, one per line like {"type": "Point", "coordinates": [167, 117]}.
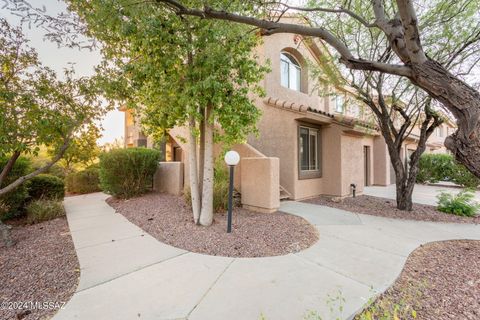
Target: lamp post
{"type": "Point", "coordinates": [232, 158]}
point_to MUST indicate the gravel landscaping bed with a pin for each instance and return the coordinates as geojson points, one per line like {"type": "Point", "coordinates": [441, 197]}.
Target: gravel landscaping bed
{"type": "Point", "coordinates": [169, 219]}
{"type": "Point", "coordinates": [387, 208]}
{"type": "Point", "coordinates": [441, 280]}
{"type": "Point", "coordinates": [41, 267]}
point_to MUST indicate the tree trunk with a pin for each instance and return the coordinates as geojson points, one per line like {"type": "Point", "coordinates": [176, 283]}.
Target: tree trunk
{"type": "Point", "coordinates": [206, 215]}
{"type": "Point", "coordinates": [8, 167]}
{"type": "Point", "coordinates": [202, 149]}
{"type": "Point", "coordinates": [463, 102]}
{"type": "Point", "coordinates": [21, 180]}
{"type": "Point", "coordinates": [193, 174]}
{"type": "Point", "coordinates": [404, 195]}
{"type": "Point", "coordinates": [403, 190]}
{"type": "Point", "coordinates": [5, 233]}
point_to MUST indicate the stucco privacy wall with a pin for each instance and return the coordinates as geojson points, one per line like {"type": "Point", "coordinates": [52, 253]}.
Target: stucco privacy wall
{"type": "Point", "coordinates": [245, 151]}
{"type": "Point", "coordinates": [331, 164]}
{"type": "Point", "coordinates": [169, 178]}
{"type": "Point", "coordinates": [381, 163]}
{"type": "Point", "coordinates": [260, 184]}
{"type": "Point", "coordinates": [352, 158]}
{"type": "Point", "coordinates": [277, 138]}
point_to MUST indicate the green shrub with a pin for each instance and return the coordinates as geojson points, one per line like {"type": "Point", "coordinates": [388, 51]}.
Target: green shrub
{"type": "Point", "coordinates": [43, 210]}
{"type": "Point", "coordinates": [461, 176]}
{"type": "Point", "coordinates": [46, 186]}
{"type": "Point", "coordinates": [443, 167]}
{"type": "Point", "coordinates": [435, 167]}
{"type": "Point", "coordinates": [57, 171]}
{"type": "Point", "coordinates": [85, 181]}
{"type": "Point", "coordinates": [15, 200]}
{"type": "Point", "coordinates": [461, 204]}
{"type": "Point", "coordinates": [128, 172]}
{"type": "Point", "coordinates": [220, 188]}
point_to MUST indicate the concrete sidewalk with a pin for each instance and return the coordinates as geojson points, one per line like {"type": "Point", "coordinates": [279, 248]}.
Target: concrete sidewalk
{"type": "Point", "coordinates": [127, 274]}
{"type": "Point", "coordinates": [423, 194]}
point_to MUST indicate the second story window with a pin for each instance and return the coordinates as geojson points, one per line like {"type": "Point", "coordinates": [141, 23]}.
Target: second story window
{"type": "Point", "coordinates": [339, 104]}
{"type": "Point", "coordinates": [439, 132]}
{"type": "Point", "coordinates": [290, 72]}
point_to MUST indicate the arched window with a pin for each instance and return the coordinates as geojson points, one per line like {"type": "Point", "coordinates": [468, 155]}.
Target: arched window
{"type": "Point", "coordinates": [290, 72]}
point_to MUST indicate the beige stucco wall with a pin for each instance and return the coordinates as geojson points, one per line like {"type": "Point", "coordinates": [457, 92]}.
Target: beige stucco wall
{"type": "Point", "coordinates": [271, 49]}
{"type": "Point", "coordinates": [169, 178]}
{"type": "Point", "coordinates": [260, 184]}
{"type": "Point", "coordinates": [381, 163]}
{"type": "Point", "coordinates": [245, 151]}
{"type": "Point", "coordinates": [353, 162]}
{"type": "Point", "coordinates": [277, 138]}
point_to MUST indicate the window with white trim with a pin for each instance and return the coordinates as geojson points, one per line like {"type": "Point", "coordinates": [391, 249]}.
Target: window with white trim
{"type": "Point", "coordinates": [290, 72]}
{"type": "Point", "coordinates": [308, 149]}
{"type": "Point", "coordinates": [339, 104]}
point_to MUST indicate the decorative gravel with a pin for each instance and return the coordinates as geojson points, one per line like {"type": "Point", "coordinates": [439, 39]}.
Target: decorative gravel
{"type": "Point", "coordinates": [441, 280]}
{"type": "Point", "coordinates": [387, 208]}
{"type": "Point", "coordinates": [169, 219]}
{"type": "Point", "coordinates": [42, 267]}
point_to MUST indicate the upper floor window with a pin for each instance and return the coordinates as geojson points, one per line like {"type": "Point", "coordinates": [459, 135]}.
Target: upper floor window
{"type": "Point", "coordinates": [339, 104]}
{"type": "Point", "coordinates": [440, 131]}
{"type": "Point", "coordinates": [290, 72]}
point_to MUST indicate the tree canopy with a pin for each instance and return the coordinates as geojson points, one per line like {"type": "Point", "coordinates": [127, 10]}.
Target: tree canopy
{"type": "Point", "coordinates": [37, 109]}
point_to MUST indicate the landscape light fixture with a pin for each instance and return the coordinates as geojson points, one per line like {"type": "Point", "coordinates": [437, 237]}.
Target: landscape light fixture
{"type": "Point", "coordinates": [232, 158]}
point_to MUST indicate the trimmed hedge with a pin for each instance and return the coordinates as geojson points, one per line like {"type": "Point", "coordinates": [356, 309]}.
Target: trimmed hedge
{"type": "Point", "coordinates": [126, 173]}
{"type": "Point", "coordinates": [46, 186]}
{"type": "Point", "coordinates": [85, 181]}
{"type": "Point", "coordinates": [15, 199]}
{"type": "Point", "coordinates": [443, 167]}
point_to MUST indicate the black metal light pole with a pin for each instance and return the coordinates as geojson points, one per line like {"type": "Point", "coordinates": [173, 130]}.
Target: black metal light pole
{"type": "Point", "coordinates": [231, 158]}
{"type": "Point", "coordinates": [230, 201]}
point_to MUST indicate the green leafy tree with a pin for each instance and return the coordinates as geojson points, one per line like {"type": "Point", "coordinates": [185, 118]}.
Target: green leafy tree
{"type": "Point", "coordinates": [83, 148]}
{"type": "Point", "coordinates": [175, 72]}
{"type": "Point", "coordinates": [36, 109]}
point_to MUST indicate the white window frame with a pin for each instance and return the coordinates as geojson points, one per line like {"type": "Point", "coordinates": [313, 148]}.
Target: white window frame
{"type": "Point", "coordinates": [293, 78]}
{"type": "Point", "coordinates": [339, 104]}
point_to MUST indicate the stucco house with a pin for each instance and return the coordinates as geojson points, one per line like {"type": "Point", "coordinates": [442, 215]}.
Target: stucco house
{"type": "Point", "coordinates": [324, 141]}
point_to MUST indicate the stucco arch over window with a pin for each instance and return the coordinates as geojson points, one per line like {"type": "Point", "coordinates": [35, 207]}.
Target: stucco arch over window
{"type": "Point", "coordinates": [293, 71]}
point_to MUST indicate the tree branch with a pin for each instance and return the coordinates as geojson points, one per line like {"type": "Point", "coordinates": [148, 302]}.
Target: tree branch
{"type": "Point", "coordinates": [8, 166]}
{"type": "Point", "coordinates": [272, 27]}
{"type": "Point", "coordinates": [22, 179]}
{"type": "Point", "coordinates": [412, 35]}
{"type": "Point", "coordinates": [330, 10]}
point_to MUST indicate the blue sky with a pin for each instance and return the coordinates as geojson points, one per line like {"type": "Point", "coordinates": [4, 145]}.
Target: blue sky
{"type": "Point", "coordinates": [59, 58]}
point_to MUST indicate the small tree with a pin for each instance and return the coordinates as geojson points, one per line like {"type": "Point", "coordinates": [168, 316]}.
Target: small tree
{"type": "Point", "coordinates": [175, 72]}
{"type": "Point", "coordinates": [398, 109]}
{"type": "Point", "coordinates": [36, 109]}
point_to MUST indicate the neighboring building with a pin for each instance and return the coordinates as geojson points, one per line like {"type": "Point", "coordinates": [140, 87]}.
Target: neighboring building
{"type": "Point", "coordinates": [325, 141]}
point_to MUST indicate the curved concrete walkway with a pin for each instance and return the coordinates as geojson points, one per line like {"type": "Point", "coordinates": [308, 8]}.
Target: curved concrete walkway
{"type": "Point", "coordinates": [127, 274]}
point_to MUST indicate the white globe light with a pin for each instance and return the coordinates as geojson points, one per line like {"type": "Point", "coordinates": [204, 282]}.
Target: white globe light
{"type": "Point", "coordinates": [232, 158]}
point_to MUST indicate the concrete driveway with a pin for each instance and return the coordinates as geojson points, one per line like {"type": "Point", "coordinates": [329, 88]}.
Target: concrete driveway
{"type": "Point", "coordinates": [423, 194]}
{"type": "Point", "coordinates": [127, 274]}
